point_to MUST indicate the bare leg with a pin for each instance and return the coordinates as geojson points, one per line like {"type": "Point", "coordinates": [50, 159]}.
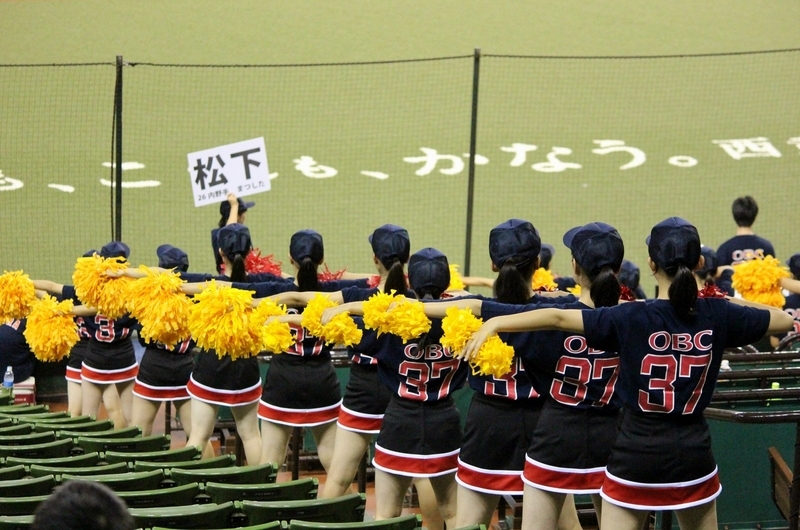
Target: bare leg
{"type": "Point", "coordinates": [702, 517]}
{"type": "Point", "coordinates": [475, 507]}
{"type": "Point", "coordinates": [619, 518]}
{"type": "Point", "coordinates": [390, 490]}
{"type": "Point", "coordinates": [597, 502]}
{"type": "Point", "coordinates": [113, 406]}
{"type": "Point", "coordinates": [91, 395]}
{"type": "Point", "coordinates": [348, 449]}
{"type": "Point", "coordinates": [274, 439]}
{"type": "Point", "coordinates": [246, 417]}
{"type": "Point", "coordinates": [125, 390]}
{"type": "Point", "coordinates": [568, 519]}
{"type": "Point", "coordinates": [428, 505]}
{"type": "Point", "coordinates": [324, 437]}
{"type": "Point", "coordinates": [74, 398]}
{"type": "Point", "coordinates": [203, 419]}
{"type": "Point", "coordinates": [444, 487]}
{"type": "Point", "coordinates": [184, 409]}
{"type": "Point", "coordinates": [144, 414]}
{"type": "Point", "coordinates": [541, 509]}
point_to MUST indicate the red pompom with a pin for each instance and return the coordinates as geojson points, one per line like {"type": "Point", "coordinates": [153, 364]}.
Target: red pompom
{"type": "Point", "coordinates": [329, 276]}
{"type": "Point", "coordinates": [625, 294]}
{"type": "Point", "coordinates": [374, 281]}
{"type": "Point", "coordinates": [710, 290]}
{"type": "Point", "coordinates": [256, 263]}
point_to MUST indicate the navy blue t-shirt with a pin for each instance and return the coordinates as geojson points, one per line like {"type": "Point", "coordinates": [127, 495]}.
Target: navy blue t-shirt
{"type": "Point", "coordinates": [739, 249]}
{"type": "Point", "coordinates": [14, 350]}
{"type": "Point", "coordinates": [100, 327]}
{"type": "Point", "coordinates": [670, 365]}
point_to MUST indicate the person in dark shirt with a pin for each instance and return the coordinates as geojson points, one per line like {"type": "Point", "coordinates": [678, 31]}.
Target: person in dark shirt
{"type": "Point", "coordinates": [232, 210]}
{"type": "Point", "coordinates": [14, 350]}
{"type": "Point", "coordinates": [744, 246]}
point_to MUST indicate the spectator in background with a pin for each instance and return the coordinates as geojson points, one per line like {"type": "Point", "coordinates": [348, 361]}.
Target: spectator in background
{"type": "Point", "coordinates": [745, 245]}
{"type": "Point", "coordinates": [545, 256]}
{"type": "Point", "coordinates": [231, 211]}
{"type": "Point", "coordinates": [792, 303]}
{"type": "Point", "coordinates": [629, 276]}
{"type": "Point", "coordinates": [82, 505]}
{"type": "Point", "coordinates": [14, 350]}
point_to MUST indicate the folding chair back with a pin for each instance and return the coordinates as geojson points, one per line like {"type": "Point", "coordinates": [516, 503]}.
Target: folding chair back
{"type": "Point", "coordinates": [183, 454]}
{"type": "Point", "coordinates": [16, 429]}
{"type": "Point", "coordinates": [404, 522]}
{"type": "Point", "coordinates": [294, 490]}
{"type": "Point", "coordinates": [274, 525]}
{"type": "Point", "coordinates": [345, 509]}
{"type": "Point", "coordinates": [15, 522]}
{"type": "Point", "coordinates": [12, 472]}
{"type": "Point", "coordinates": [27, 487]}
{"type": "Point", "coordinates": [40, 471]}
{"type": "Point", "coordinates": [216, 462]}
{"type": "Point", "coordinates": [84, 426]}
{"type": "Point", "coordinates": [28, 439]}
{"type": "Point", "coordinates": [22, 409]}
{"type": "Point", "coordinates": [158, 442]}
{"type": "Point", "coordinates": [144, 480]}
{"type": "Point", "coordinates": [21, 505]}
{"type": "Point", "coordinates": [42, 417]}
{"type": "Point", "coordinates": [155, 498]}
{"type": "Point", "coordinates": [127, 432]}
{"type": "Point", "coordinates": [260, 474]}
{"type": "Point", "coordinates": [185, 517]}
{"type": "Point", "coordinates": [89, 459]}
{"type": "Point", "coordinates": [59, 448]}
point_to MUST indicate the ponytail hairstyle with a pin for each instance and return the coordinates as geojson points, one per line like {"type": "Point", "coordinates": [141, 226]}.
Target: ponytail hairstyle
{"type": "Point", "coordinates": [674, 246]}
{"type": "Point", "coordinates": [234, 241]}
{"type": "Point", "coordinates": [307, 251]}
{"type": "Point", "coordinates": [391, 245]}
{"type": "Point", "coordinates": [598, 250]}
{"type": "Point", "coordinates": [514, 248]}
{"type": "Point", "coordinates": [429, 276]}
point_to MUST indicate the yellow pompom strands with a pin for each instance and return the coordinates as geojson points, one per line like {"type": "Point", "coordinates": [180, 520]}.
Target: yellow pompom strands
{"type": "Point", "coordinates": [312, 314]}
{"type": "Point", "coordinates": [341, 330]}
{"type": "Point", "coordinates": [543, 280]}
{"type": "Point", "coordinates": [575, 290]}
{"type": "Point", "coordinates": [221, 320]}
{"type": "Point", "coordinates": [51, 331]}
{"type": "Point", "coordinates": [408, 320]}
{"type": "Point", "coordinates": [17, 295]}
{"type": "Point", "coordinates": [458, 326]}
{"type": "Point", "coordinates": [277, 337]}
{"type": "Point", "coordinates": [456, 283]}
{"type": "Point", "coordinates": [268, 308]}
{"type": "Point", "coordinates": [95, 289]}
{"type": "Point", "coordinates": [157, 302]}
{"type": "Point", "coordinates": [759, 280]}
{"type": "Point", "coordinates": [494, 358]}
{"type": "Point", "coordinates": [376, 311]}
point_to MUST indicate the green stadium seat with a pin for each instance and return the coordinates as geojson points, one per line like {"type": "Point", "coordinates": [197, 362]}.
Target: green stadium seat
{"type": "Point", "coordinates": [88, 426]}
{"type": "Point", "coordinates": [6, 422]}
{"type": "Point", "coordinates": [274, 525]}
{"type": "Point", "coordinates": [89, 459]}
{"type": "Point", "coordinates": [28, 439]}
{"type": "Point", "coordinates": [20, 505]}
{"type": "Point", "coordinates": [473, 527]}
{"type": "Point", "coordinates": [158, 498]}
{"type": "Point", "coordinates": [15, 522]}
{"type": "Point", "coordinates": [260, 474]}
{"type": "Point", "coordinates": [27, 486]}
{"type": "Point", "coordinates": [127, 432]}
{"type": "Point", "coordinates": [158, 442]}
{"type": "Point", "coordinates": [59, 448]}
{"type": "Point", "coordinates": [6, 398]}
{"type": "Point", "coordinates": [40, 471]}
{"type": "Point", "coordinates": [170, 455]}
{"type": "Point", "coordinates": [143, 480]}
{"type": "Point", "coordinates": [55, 417]}
{"type": "Point", "coordinates": [185, 517]}
{"type": "Point", "coordinates": [216, 462]}
{"type": "Point", "coordinates": [17, 429]}
{"type": "Point", "coordinates": [12, 473]}
{"type": "Point", "coordinates": [23, 409]}
{"type": "Point", "coordinates": [345, 509]}
{"type": "Point", "coordinates": [404, 522]}
{"type": "Point", "coordinates": [293, 490]}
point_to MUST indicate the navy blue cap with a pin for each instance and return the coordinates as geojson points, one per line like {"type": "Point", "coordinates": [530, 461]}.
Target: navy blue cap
{"type": "Point", "coordinates": [306, 244]}
{"type": "Point", "coordinates": [516, 239]}
{"type": "Point", "coordinates": [673, 242]}
{"type": "Point", "coordinates": [710, 264]}
{"type": "Point", "coordinates": [225, 207]}
{"type": "Point", "coordinates": [234, 239]}
{"type": "Point", "coordinates": [794, 265]}
{"type": "Point", "coordinates": [89, 253]}
{"type": "Point", "coordinates": [390, 241]}
{"type": "Point", "coordinates": [115, 249]}
{"type": "Point", "coordinates": [428, 268]}
{"type": "Point", "coordinates": [629, 274]}
{"type": "Point", "coordinates": [170, 257]}
{"type": "Point", "coordinates": [594, 246]}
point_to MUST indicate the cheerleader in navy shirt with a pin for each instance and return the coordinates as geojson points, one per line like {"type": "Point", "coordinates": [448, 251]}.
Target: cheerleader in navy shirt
{"type": "Point", "coordinates": [670, 351]}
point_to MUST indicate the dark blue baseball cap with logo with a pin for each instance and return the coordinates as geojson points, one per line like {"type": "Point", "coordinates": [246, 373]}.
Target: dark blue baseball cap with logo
{"type": "Point", "coordinates": [514, 239]}
{"type": "Point", "coordinates": [794, 265]}
{"type": "Point", "coordinates": [428, 268]}
{"type": "Point", "coordinates": [234, 239]}
{"type": "Point", "coordinates": [390, 242]}
{"type": "Point", "coordinates": [594, 246]}
{"type": "Point", "coordinates": [170, 257]}
{"type": "Point", "coordinates": [674, 242]}
{"type": "Point", "coordinates": [115, 249]}
{"type": "Point", "coordinates": [306, 244]}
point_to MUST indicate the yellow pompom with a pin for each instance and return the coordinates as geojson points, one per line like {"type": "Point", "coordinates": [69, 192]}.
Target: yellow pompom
{"type": "Point", "coordinates": [157, 302]}
{"type": "Point", "coordinates": [221, 320]}
{"type": "Point", "coordinates": [575, 290]}
{"type": "Point", "coordinates": [759, 280]}
{"type": "Point", "coordinates": [51, 331]}
{"type": "Point", "coordinates": [278, 337]}
{"type": "Point", "coordinates": [17, 295]}
{"type": "Point", "coordinates": [341, 330]}
{"type": "Point", "coordinates": [459, 325]}
{"type": "Point", "coordinates": [494, 358]}
{"type": "Point", "coordinates": [543, 280]}
{"type": "Point", "coordinates": [268, 308]}
{"type": "Point", "coordinates": [312, 314]}
{"type": "Point", "coordinates": [407, 320]}
{"type": "Point", "coordinates": [106, 294]}
{"type": "Point", "coordinates": [456, 283]}
{"type": "Point", "coordinates": [376, 311]}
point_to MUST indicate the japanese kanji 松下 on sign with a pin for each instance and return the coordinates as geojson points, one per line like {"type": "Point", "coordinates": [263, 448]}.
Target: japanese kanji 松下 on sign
{"type": "Point", "coordinates": [239, 168]}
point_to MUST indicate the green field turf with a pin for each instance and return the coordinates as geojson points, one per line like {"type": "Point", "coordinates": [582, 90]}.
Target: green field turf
{"type": "Point", "coordinates": [55, 122]}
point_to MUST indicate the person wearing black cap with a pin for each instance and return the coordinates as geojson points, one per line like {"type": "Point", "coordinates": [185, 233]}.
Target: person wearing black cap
{"type": "Point", "coordinates": [164, 373]}
{"type": "Point", "coordinates": [670, 350]}
{"type": "Point", "coordinates": [629, 275]}
{"type": "Point", "coordinates": [232, 210]}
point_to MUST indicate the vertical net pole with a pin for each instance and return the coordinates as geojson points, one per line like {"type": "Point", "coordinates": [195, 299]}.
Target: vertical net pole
{"type": "Point", "coordinates": [473, 138]}
{"type": "Point", "coordinates": [116, 163]}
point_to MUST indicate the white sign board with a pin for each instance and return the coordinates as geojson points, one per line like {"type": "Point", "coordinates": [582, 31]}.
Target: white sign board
{"type": "Point", "coordinates": [239, 168]}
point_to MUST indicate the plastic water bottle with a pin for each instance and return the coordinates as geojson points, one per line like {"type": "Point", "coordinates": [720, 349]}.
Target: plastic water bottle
{"type": "Point", "coordinates": [8, 378]}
